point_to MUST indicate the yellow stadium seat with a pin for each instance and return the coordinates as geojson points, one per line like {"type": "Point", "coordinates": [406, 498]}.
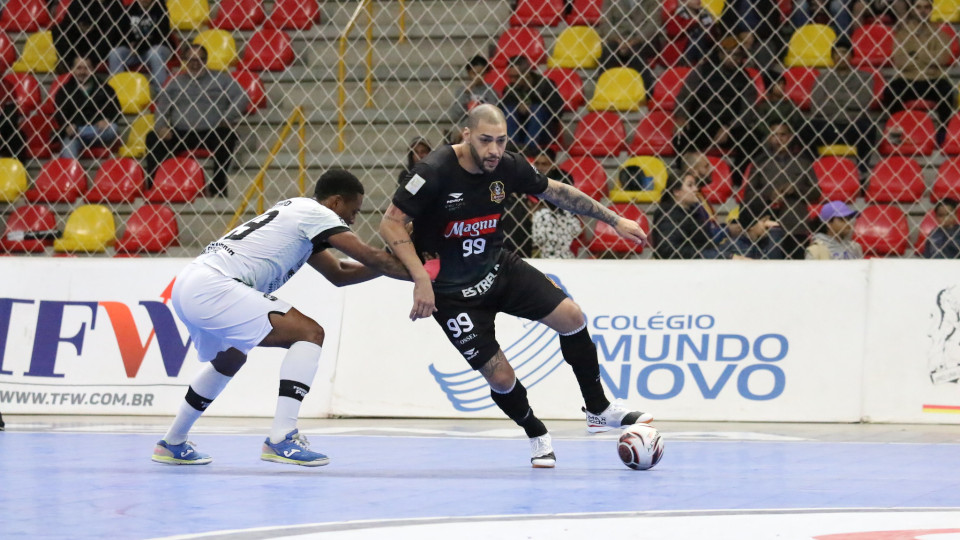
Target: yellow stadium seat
{"type": "Point", "coordinates": [945, 11]}
{"type": "Point", "coordinates": [188, 14]}
{"type": "Point", "coordinates": [841, 150]}
{"type": "Point", "coordinates": [810, 46]}
{"type": "Point", "coordinates": [13, 179]}
{"type": "Point", "coordinates": [576, 47]}
{"type": "Point", "coordinates": [133, 91]}
{"type": "Point", "coordinates": [220, 46]}
{"type": "Point", "coordinates": [654, 172]}
{"type": "Point", "coordinates": [38, 54]}
{"type": "Point", "coordinates": [89, 229]}
{"type": "Point", "coordinates": [715, 7]}
{"type": "Point", "coordinates": [136, 145]}
{"type": "Point", "coordinates": [618, 89]}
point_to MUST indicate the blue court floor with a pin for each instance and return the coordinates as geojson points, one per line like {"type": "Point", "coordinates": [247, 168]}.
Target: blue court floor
{"type": "Point", "coordinates": [92, 477]}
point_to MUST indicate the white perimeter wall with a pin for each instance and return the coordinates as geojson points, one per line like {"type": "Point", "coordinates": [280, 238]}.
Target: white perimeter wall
{"type": "Point", "coordinates": [694, 340]}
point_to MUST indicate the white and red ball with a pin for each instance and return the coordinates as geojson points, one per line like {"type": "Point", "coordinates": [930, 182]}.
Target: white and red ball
{"type": "Point", "coordinates": [640, 447]}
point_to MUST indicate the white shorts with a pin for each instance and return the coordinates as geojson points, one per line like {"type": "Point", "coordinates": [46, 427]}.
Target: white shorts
{"type": "Point", "coordinates": [221, 312]}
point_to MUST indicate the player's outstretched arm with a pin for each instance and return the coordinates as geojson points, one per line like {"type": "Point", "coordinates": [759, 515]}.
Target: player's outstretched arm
{"type": "Point", "coordinates": [573, 200]}
{"type": "Point", "coordinates": [369, 256]}
{"type": "Point", "coordinates": [393, 229]}
{"type": "Point", "coordinates": [341, 272]}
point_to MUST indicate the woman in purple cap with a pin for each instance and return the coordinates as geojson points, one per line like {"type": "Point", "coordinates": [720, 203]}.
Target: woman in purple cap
{"type": "Point", "coordinates": [834, 238]}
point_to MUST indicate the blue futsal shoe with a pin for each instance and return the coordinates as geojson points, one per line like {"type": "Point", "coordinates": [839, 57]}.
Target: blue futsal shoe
{"type": "Point", "coordinates": [179, 454]}
{"type": "Point", "coordinates": [294, 449]}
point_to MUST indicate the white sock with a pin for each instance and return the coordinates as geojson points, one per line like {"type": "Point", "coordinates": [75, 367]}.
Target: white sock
{"type": "Point", "coordinates": [207, 384]}
{"type": "Point", "coordinates": [299, 366]}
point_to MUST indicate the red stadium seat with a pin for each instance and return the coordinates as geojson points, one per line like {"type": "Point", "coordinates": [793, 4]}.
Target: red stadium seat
{"type": "Point", "coordinates": [588, 175]}
{"type": "Point", "coordinates": [837, 177]}
{"type": "Point", "coordinates": [26, 91]}
{"type": "Point", "coordinates": [654, 135]}
{"type": "Point", "coordinates": [881, 230]}
{"type": "Point", "coordinates": [238, 15]}
{"type": "Point", "coordinates": [569, 85]}
{"type": "Point", "coordinates": [26, 219]}
{"type": "Point", "coordinates": [872, 45]}
{"type": "Point", "coordinates": [948, 29]}
{"type": "Point", "coordinates": [585, 13]}
{"type": "Point", "coordinates": [178, 179]}
{"type": "Point", "coordinates": [38, 131]}
{"type": "Point", "coordinates": [720, 187]}
{"type": "Point", "coordinates": [61, 180]}
{"type": "Point", "coordinates": [119, 180]}
{"type": "Point", "coordinates": [496, 78]}
{"type": "Point", "coordinates": [522, 41]}
{"type": "Point", "coordinates": [49, 106]}
{"type": "Point", "coordinates": [798, 84]}
{"type": "Point", "coordinates": [895, 179]}
{"type": "Point", "coordinates": [8, 53]}
{"type": "Point", "coordinates": [918, 134]}
{"type": "Point", "coordinates": [605, 238]}
{"type": "Point", "coordinates": [599, 134]}
{"type": "Point", "coordinates": [537, 13]}
{"type": "Point", "coordinates": [951, 143]}
{"type": "Point", "coordinates": [252, 84]}
{"type": "Point", "coordinates": [269, 49]}
{"type": "Point", "coordinates": [667, 87]}
{"type": "Point", "coordinates": [758, 83]}
{"type": "Point", "coordinates": [24, 16]}
{"type": "Point", "coordinates": [947, 184]}
{"type": "Point", "coordinates": [152, 228]}
{"type": "Point", "coordinates": [294, 14]}
{"type": "Point", "coordinates": [927, 225]}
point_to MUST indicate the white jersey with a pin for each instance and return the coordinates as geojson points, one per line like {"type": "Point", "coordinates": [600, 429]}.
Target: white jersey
{"type": "Point", "coordinates": [266, 251]}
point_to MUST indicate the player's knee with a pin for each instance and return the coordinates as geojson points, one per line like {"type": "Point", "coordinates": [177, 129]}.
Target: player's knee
{"type": "Point", "coordinates": [314, 334]}
{"type": "Point", "coordinates": [229, 362]}
{"type": "Point", "coordinates": [569, 317]}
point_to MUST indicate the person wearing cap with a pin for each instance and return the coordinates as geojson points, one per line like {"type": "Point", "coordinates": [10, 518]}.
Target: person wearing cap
{"type": "Point", "coordinates": [944, 240]}
{"type": "Point", "coordinates": [762, 237]}
{"type": "Point", "coordinates": [834, 240]}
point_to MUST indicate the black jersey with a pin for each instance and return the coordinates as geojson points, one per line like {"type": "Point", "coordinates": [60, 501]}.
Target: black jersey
{"type": "Point", "coordinates": [457, 214]}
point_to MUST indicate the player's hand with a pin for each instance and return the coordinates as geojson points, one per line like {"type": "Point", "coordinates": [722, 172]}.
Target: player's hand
{"type": "Point", "coordinates": [631, 230]}
{"type": "Point", "coordinates": [424, 303]}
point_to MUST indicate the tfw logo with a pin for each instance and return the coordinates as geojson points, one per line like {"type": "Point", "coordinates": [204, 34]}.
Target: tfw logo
{"type": "Point", "coordinates": [478, 226]}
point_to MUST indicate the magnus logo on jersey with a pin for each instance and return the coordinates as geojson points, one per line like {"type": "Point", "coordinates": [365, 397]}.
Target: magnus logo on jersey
{"type": "Point", "coordinates": [478, 226]}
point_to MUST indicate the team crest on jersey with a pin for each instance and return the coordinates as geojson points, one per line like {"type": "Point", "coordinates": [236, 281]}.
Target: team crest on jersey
{"type": "Point", "coordinates": [497, 192]}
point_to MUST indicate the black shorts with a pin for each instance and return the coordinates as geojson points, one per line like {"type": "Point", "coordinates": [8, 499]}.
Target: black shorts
{"type": "Point", "coordinates": [513, 287]}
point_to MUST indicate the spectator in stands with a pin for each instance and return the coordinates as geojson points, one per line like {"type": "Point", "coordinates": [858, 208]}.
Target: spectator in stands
{"type": "Point", "coordinates": [833, 13]}
{"type": "Point", "coordinates": [693, 29]}
{"type": "Point", "coordinates": [11, 137]}
{"type": "Point", "coordinates": [715, 108]}
{"type": "Point", "coordinates": [198, 108]}
{"type": "Point", "coordinates": [144, 38]}
{"type": "Point", "coordinates": [775, 108]}
{"type": "Point", "coordinates": [762, 237]}
{"type": "Point", "coordinates": [944, 240]}
{"type": "Point", "coordinates": [531, 104]}
{"type": "Point", "coordinates": [921, 54]}
{"type": "Point", "coordinates": [87, 111]}
{"type": "Point", "coordinates": [728, 235]}
{"type": "Point", "coordinates": [839, 102]}
{"type": "Point", "coordinates": [784, 181]}
{"type": "Point", "coordinates": [475, 92]}
{"type": "Point", "coordinates": [759, 24]}
{"type": "Point", "coordinates": [834, 239]}
{"type": "Point", "coordinates": [88, 28]}
{"type": "Point", "coordinates": [553, 229]}
{"type": "Point", "coordinates": [418, 149]}
{"type": "Point", "coordinates": [632, 35]}
{"type": "Point", "coordinates": [889, 12]}
{"type": "Point", "coordinates": [682, 226]}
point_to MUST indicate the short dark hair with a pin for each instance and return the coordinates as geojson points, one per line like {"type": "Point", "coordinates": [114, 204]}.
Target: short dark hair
{"type": "Point", "coordinates": [478, 61]}
{"type": "Point", "coordinates": [337, 182]}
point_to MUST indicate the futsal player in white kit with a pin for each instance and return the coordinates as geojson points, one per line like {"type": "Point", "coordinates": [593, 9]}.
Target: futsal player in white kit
{"type": "Point", "coordinates": [223, 297]}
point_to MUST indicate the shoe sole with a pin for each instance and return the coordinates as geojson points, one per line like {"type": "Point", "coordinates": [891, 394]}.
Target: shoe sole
{"type": "Point", "coordinates": [544, 464]}
{"type": "Point", "coordinates": [645, 418]}
{"type": "Point", "coordinates": [280, 459]}
{"type": "Point", "coordinates": [174, 461]}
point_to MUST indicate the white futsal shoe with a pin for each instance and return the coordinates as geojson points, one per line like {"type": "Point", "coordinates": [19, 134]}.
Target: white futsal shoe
{"type": "Point", "coordinates": [541, 452]}
{"type": "Point", "coordinates": [616, 415]}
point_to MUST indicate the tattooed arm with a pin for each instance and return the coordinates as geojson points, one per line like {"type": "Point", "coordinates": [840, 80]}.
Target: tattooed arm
{"type": "Point", "coordinates": [393, 229]}
{"type": "Point", "coordinates": [573, 200]}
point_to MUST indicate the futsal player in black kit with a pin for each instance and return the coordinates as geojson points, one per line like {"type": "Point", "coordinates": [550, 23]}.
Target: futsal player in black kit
{"type": "Point", "coordinates": [454, 197]}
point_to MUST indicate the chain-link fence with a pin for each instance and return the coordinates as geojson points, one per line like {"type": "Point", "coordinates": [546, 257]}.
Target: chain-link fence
{"type": "Point", "coordinates": [749, 128]}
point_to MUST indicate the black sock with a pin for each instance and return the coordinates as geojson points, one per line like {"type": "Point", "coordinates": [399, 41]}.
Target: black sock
{"type": "Point", "coordinates": [514, 403]}
{"type": "Point", "coordinates": [580, 352]}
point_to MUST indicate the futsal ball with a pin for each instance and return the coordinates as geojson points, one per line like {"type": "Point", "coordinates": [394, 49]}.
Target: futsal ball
{"type": "Point", "coordinates": [640, 447]}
